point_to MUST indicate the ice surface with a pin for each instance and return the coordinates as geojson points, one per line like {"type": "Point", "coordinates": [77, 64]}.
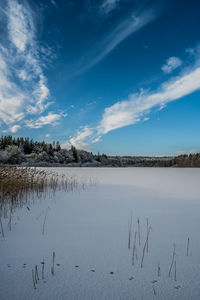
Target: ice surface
{"type": "Point", "coordinates": [88, 230]}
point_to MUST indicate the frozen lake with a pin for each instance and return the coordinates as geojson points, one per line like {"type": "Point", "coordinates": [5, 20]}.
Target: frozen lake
{"type": "Point", "coordinates": [88, 231]}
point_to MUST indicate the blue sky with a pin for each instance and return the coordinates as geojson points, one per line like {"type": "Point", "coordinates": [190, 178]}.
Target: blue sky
{"type": "Point", "coordinates": [114, 76]}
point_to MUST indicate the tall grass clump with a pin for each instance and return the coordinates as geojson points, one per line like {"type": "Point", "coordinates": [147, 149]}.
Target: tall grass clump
{"type": "Point", "coordinates": [20, 185]}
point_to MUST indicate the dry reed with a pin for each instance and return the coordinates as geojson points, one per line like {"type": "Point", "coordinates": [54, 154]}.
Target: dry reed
{"type": "Point", "coordinates": [138, 221]}
{"type": "Point", "coordinates": [188, 244]}
{"type": "Point", "coordinates": [53, 264]}
{"type": "Point", "coordinates": [144, 248]}
{"type": "Point", "coordinates": [19, 186]}
{"type": "Point", "coordinates": [147, 248]}
{"type": "Point", "coordinates": [45, 220]}
{"type": "Point", "coordinates": [36, 274]}
{"type": "Point", "coordinates": [158, 270]}
{"type": "Point", "coordinates": [175, 270]}
{"type": "Point", "coordinates": [134, 249]}
{"type": "Point", "coordinates": [154, 291]}
{"type": "Point", "coordinates": [172, 262]}
{"type": "Point", "coordinates": [2, 232]}
{"type": "Point", "coordinates": [129, 232]}
{"type": "Point", "coordinates": [33, 278]}
{"type": "Point", "coordinates": [43, 269]}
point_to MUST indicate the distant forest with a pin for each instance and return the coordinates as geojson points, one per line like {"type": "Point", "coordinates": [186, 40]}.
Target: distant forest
{"type": "Point", "coordinates": [26, 151]}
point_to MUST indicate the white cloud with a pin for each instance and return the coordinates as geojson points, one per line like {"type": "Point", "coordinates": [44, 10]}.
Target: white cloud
{"type": "Point", "coordinates": [41, 93]}
{"type": "Point", "coordinates": [15, 128]}
{"type": "Point", "coordinates": [23, 75]}
{"type": "Point", "coordinates": [20, 26]}
{"type": "Point", "coordinates": [23, 85]}
{"type": "Point", "coordinates": [96, 140]}
{"type": "Point", "coordinates": [53, 2]}
{"type": "Point", "coordinates": [50, 119]}
{"type": "Point", "coordinates": [137, 107]}
{"type": "Point", "coordinates": [80, 139]}
{"type": "Point", "coordinates": [108, 5]}
{"type": "Point", "coordinates": [12, 99]}
{"type": "Point", "coordinates": [190, 51]}
{"type": "Point", "coordinates": [171, 64]}
{"type": "Point", "coordinates": [133, 110]}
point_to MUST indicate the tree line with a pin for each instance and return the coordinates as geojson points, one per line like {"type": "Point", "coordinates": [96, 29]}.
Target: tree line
{"type": "Point", "coordinates": [26, 151]}
{"type": "Point", "coordinates": [28, 145]}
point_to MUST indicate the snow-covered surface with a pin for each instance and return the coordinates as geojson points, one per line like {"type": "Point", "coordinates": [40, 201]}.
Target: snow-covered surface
{"type": "Point", "coordinates": [88, 228]}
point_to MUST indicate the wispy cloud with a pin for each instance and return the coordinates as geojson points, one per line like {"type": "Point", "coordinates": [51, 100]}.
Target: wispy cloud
{"type": "Point", "coordinates": [138, 106]}
{"type": "Point", "coordinates": [53, 2]}
{"type": "Point", "coordinates": [123, 30]}
{"type": "Point", "coordinates": [23, 85]}
{"type": "Point", "coordinates": [50, 119]}
{"type": "Point", "coordinates": [15, 128]}
{"type": "Point", "coordinates": [80, 139]}
{"type": "Point", "coordinates": [108, 5]}
{"type": "Point", "coordinates": [12, 98]}
{"type": "Point", "coordinates": [171, 64]}
{"type": "Point", "coordinates": [20, 25]}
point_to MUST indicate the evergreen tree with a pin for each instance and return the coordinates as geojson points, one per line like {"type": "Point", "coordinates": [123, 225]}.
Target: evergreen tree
{"type": "Point", "coordinates": [75, 153]}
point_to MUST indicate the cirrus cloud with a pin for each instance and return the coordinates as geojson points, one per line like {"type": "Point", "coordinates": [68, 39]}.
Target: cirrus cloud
{"type": "Point", "coordinates": [138, 106]}
{"type": "Point", "coordinates": [172, 63]}
{"type": "Point", "coordinates": [108, 5]}
{"type": "Point", "coordinates": [50, 119]}
{"type": "Point", "coordinates": [23, 85]}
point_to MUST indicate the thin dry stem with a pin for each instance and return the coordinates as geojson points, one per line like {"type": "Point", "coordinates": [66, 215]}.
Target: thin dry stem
{"type": "Point", "coordinates": [138, 221]}
{"type": "Point", "coordinates": [45, 220]}
{"type": "Point", "coordinates": [144, 248]}
{"type": "Point", "coordinates": [154, 291]}
{"type": "Point", "coordinates": [172, 262]}
{"type": "Point", "coordinates": [33, 278]}
{"type": "Point", "coordinates": [188, 244]}
{"type": "Point", "coordinates": [147, 248]}
{"type": "Point", "coordinates": [2, 231]}
{"type": "Point", "coordinates": [36, 274]}
{"type": "Point", "coordinates": [175, 270]}
{"type": "Point", "coordinates": [53, 264]}
{"type": "Point", "coordinates": [129, 232]}
{"type": "Point", "coordinates": [158, 269]}
{"type": "Point", "coordinates": [43, 269]}
{"type": "Point", "coordinates": [134, 249]}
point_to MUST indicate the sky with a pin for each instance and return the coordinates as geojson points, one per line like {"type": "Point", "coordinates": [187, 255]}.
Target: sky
{"type": "Point", "coordinates": [120, 77]}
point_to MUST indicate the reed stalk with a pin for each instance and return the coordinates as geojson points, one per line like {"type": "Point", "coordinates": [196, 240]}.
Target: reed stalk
{"type": "Point", "coordinates": [138, 222]}
{"type": "Point", "coordinates": [147, 248]}
{"type": "Point", "coordinates": [134, 249]}
{"type": "Point", "coordinates": [172, 262]}
{"type": "Point", "coordinates": [188, 244]}
{"type": "Point", "coordinates": [154, 291]}
{"type": "Point", "coordinates": [45, 220]}
{"type": "Point", "coordinates": [158, 270]}
{"type": "Point", "coordinates": [36, 274]}
{"type": "Point", "coordinates": [144, 248]}
{"type": "Point", "coordinates": [33, 278]}
{"type": "Point", "coordinates": [2, 231]}
{"type": "Point", "coordinates": [175, 270]}
{"type": "Point", "coordinates": [129, 232]}
{"type": "Point", "coordinates": [43, 269]}
{"type": "Point", "coordinates": [53, 264]}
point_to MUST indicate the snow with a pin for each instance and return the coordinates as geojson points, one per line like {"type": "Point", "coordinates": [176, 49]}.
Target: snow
{"type": "Point", "coordinates": [88, 228]}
